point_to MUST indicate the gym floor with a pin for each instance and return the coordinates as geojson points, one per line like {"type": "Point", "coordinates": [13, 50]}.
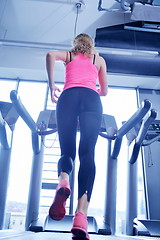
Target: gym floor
{"type": "Point", "coordinates": [9, 234]}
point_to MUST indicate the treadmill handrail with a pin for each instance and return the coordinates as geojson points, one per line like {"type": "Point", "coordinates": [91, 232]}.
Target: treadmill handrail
{"type": "Point", "coordinates": [149, 142]}
{"type": "Point", "coordinates": [145, 125]}
{"type": "Point", "coordinates": [22, 111]}
{"type": "Point", "coordinates": [107, 136]}
{"type": "Point", "coordinates": [135, 118]}
{"type": "Point", "coordinates": [141, 135]}
{"type": "Point", "coordinates": [46, 132]}
{"type": "Point", "coordinates": [3, 136]}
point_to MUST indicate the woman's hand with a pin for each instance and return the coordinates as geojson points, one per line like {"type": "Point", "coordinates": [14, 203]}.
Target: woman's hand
{"type": "Point", "coordinates": [54, 94]}
{"type": "Point", "coordinates": [101, 93]}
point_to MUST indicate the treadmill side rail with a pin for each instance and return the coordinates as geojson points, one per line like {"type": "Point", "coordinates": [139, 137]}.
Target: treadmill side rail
{"type": "Point", "coordinates": [147, 227]}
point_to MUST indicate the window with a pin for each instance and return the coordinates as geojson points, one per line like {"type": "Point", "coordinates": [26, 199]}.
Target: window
{"type": "Point", "coordinates": [7, 88]}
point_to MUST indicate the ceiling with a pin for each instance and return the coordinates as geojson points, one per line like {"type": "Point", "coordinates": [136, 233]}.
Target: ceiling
{"type": "Point", "coordinates": [30, 28]}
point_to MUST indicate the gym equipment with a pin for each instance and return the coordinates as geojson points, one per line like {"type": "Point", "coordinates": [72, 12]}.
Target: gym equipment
{"type": "Point", "coordinates": [46, 119]}
{"type": "Point", "coordinates": [151, 167]}
{"type": "Point", "coordinates": [111, 182]}
{"type": "Point", "coordinates": [144, 135]}
{"type": "Point", "coordinates": [37, 163]}
{"type": "Point", "coordinates": [8, 118]}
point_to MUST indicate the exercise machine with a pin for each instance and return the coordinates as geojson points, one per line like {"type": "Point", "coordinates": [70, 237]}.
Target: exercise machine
{"type": "Point", "coordinates": [109, 131]}
{"type": "Point", "coordinates": [143, 137]}
{"type": "Point", "coordinates": [111, 181]}
{"type": "Point", "coordinates": [151, 167]}
{"type": "Point", "coordinates": [8, 118]}
{"type": "Point", "coordinates": [46, 124]}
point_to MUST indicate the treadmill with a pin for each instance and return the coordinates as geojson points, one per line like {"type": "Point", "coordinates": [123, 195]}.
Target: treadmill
{"type": "Point", "coordinates": [151, 167]}
{"type": "Point", "coordinates": [8, 118]}
{"type": "Point", "coordinates": [146, 139]}
{"type": "Point", "coordinates": [34, 222]}
{"type": "Point", "coordinates": [114, 136]}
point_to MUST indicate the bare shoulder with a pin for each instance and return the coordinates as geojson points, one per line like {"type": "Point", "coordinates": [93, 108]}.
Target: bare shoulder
{"type": "Point", "coordinates": [100, 59]}
{"type": "Point", "coordinates": [100, 62]}
{"type": "Point", "coordinates": [58, 55]}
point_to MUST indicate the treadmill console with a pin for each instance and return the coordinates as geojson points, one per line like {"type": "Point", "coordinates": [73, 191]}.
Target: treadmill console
{"type": "Point", "coordinates": [153, 130]}
{"type": "Point", "coordinates": [155, 126]}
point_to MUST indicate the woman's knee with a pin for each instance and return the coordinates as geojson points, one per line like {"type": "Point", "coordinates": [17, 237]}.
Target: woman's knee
{"type": "Point", "coordinates": [65, 164]}
{"type": "Point", "coordinates": [87, 162]}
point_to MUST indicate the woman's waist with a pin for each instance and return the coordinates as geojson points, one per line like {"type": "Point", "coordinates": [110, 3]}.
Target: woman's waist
{"type": "Point", "coordinates": [91, 86]}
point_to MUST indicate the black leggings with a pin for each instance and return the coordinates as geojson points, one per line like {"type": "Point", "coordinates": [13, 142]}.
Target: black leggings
{"type": "Point", "coordinates": [83, 106]}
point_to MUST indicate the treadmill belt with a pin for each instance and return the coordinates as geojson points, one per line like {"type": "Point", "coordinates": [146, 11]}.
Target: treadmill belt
{"type": "Point", "coordinates": [65, 236]}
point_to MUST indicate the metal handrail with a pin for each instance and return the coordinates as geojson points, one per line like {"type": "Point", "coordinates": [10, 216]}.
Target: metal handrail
{"type": "Point", "coordinates": [143, 131]}
{"type": "Point", "coordinates": [136, 118]}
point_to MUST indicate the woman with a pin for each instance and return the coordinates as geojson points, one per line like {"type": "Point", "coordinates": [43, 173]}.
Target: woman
{"type": "Point", "coordinates": [78, 103]}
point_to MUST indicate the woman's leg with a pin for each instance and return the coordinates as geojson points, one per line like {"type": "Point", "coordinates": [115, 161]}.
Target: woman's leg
{"type": "Point", "coordinates": [89, 128]}
{"type": "Point", "coordinates": [66, 115]}
{"type": "Point", "coordinates": [90, 122]}
{"type": "Point", "coordinates": [67, 127]}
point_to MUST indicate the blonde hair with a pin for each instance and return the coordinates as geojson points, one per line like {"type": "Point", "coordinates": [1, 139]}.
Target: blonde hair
{"type": "Point", "coordinates": [83, 43]}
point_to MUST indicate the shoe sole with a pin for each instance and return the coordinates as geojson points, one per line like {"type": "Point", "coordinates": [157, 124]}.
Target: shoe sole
{"type": "Point", "coordinates": [58, 204]}
{"type": "Point", "coordinates": [80, 237]}
{"type": "Point", "coordinates": [78, 232]}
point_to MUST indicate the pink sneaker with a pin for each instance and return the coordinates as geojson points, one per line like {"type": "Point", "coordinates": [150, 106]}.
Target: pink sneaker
{"type": "Point", "coordinates": [57, 210]}
{"type": "Point", "coordinates": [80, 225]}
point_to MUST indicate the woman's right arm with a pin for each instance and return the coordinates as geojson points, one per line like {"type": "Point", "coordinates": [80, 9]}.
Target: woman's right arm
{"type": "Point", "coordinates": [102, 75]}
{"type": "Point", "coordinates": [51, 57]}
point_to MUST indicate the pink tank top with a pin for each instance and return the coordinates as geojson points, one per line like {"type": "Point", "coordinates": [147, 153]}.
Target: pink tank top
{"type": "Point", "coordinates": [81, 72]}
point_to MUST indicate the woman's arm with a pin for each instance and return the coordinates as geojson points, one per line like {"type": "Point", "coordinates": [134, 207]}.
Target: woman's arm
{"type": "Point", "coordinates": [51, 57]}
{"type": "Point", "coordinates": [102, 75]}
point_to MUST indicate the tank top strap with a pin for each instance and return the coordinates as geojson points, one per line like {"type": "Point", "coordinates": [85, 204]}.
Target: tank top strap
{"type": "Point", "coordinates": [94, 58]}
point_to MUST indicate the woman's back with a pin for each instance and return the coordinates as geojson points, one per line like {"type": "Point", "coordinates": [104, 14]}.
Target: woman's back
{"type": "Point", "coordinates": [80, 71]}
